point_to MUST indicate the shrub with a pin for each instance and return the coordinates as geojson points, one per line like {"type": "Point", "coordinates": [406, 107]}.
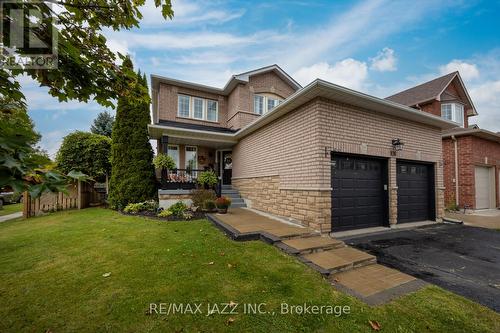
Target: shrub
{"type": "Point", "coordinates": [178, 208]}
{"type": "Point", "coordinates": [165, 213]}
{"type": "Point", "coordinates": [187, 215]}
{"type": "Point", "coordinates": [164, 161]}
{"type": "Point", "coordinates": [86, 152]}
{"type": "Point", "coordinates": [207, 178]}
{"type": "Point", "coordinates": [199, 196]}
{"type": "Point", "coordinates": [137, 207]}
{"type": "Point", "coordinates": [134, 208]}
{"type": "Point", "coordinates": [133, 176]}
{"type": "Point", "coordinates": [209, 205]}
{"type": "Point", "coordinates": [223, 202]}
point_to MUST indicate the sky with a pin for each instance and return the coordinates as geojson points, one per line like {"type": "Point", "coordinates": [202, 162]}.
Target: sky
{"type": "Point", "coordinates": [377, 47]}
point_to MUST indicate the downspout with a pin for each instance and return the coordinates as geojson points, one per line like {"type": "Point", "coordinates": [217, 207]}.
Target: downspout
{"type": "Point", "coordinates": [457, 197]}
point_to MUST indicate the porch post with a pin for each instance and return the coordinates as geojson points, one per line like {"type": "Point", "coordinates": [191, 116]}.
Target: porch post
{"type": "Point", "coordinates": [164, 144]}
{"type": "Point", "coordinates": [164, 150]}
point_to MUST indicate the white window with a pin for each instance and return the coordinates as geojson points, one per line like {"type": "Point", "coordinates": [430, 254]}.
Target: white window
{"type": "Point", "coordinates": [198, 106]}
{"type": "Point", "coordinates": [263, 104]}
{"type": "Point", "coordinates": [173, 151]}
{"type": "Point", "coordinates": [453, 112]}
{"type": "Point", "coordinates": [272, 103]}
{"type": "Point", "coordinates": [183, 106]}
{"type": "Point", "coordinates": [212, 111]}
{"type": "Point", "coordinates": [258, 104]}
{"type": "Point", "coordinates": [191, 158]}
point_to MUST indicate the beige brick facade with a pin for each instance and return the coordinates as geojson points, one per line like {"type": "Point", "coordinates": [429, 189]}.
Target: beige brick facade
{"type": "Point", "coordinates": [295, 152]}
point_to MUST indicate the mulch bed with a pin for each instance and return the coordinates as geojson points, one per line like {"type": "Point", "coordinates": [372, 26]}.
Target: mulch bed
{"type": "Point", "coordinates": [196, 216]}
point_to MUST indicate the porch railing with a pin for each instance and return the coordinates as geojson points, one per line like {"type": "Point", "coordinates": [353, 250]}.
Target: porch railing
{"type": "Point", "coordinates": [179, 179]}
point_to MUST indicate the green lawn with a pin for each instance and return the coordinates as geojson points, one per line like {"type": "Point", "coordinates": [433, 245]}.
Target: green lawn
{"type": "Point", "coordinates": [51, 273]}
{"type": "Point", "coordinates": [11, 208]}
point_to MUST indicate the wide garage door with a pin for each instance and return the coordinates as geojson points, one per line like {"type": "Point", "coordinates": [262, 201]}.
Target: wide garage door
{"type": "Point", "coordinates": [358, 195]}
{"type": "Point", "coordinates": [484, 184]}
{"type": "Point", "coordinates": [415, 191]}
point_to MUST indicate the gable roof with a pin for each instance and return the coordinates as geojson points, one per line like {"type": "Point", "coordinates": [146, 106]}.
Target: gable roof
{"type": "Point", "coordinates": [431, 90]}
{"type": "Point", "coordinates": [231, 84]}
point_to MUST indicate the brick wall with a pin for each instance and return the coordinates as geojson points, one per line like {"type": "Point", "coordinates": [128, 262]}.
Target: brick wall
{"type": "Point", "coordinates": [296, 150]}
{"type": "Point", "coordinates": [235, 110]}
{"type": "Point", "coordinates": [472, 151]}
{"type": "Point", "coordinates": [167, 106]}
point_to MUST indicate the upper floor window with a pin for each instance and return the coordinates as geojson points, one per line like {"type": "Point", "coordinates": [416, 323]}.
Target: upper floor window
{"type": "Point", "coordinates": [453, 112]}
{"type": "Point", "coordinates": [184, 106]}
{"type": "Point", "coordinates": [263, 104]}
{"type": "Point", "coordinates": [197, 108]}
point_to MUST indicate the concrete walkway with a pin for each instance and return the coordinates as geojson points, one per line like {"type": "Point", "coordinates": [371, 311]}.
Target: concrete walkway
{"type": "Point", "coordinates": [11, 216]}
{"type": "Point", "coordinates": [489, 218]}
{"type": "Point", "coordinates": [348, 269]}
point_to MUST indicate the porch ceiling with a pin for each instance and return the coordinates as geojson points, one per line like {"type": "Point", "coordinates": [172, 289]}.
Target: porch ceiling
{"type": "Point", "coordinates": [192, 137]}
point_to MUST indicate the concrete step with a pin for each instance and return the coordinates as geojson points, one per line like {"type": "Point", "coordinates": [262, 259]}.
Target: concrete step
{"type": "Point", "coordinates": [224, 192]}
{"type": "Point", "coordinates": [233, 195]}
{"type": "Point", "coordinates": [313, 244]}
{"type": "Point", "coordinates": [237, 200]}
{"type": "Point", "coordinates": [238, 205]}
{"type": "Point", "coordinates": [341, 259]}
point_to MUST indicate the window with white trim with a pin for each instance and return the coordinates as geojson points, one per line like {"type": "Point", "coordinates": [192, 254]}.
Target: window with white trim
{"type": "Point", "coordinates": [211, 110]}
{"type": "Point", "coordinates": [173, 151]}
{"type": "Point", "coordinates": [453, 112]}
{"type": "Point", "coordinates": [183, 106]}
{"type": "Point", "coordinates": [197, 108]}
{"type": "Point", "coordinates": [263, 104]}
{"type": "Point", "coordinates": [191, 157]}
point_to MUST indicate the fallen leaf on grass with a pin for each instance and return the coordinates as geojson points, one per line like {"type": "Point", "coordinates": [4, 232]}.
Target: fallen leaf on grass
{"type": "Point", "coordinates": [229, 321]}
{"type": "Point", "coordinates": [375, 325]}
{"type": "Point", "coordinates": [222, 254]}
{"type": "Point", "coordinates": [106, 274]}
{"type": "Point", "coordinates": [229, 266]}
{"type": "Point", "coordinates": [210, 263]}
{"type": "Point", "coordinates": [232, 304]}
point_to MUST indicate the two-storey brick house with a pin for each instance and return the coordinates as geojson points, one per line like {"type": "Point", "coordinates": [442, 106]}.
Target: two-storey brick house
{"type": "Point", "coordinates": [471, 155]}
{"type": "Point", "coordinates": [322, 155]}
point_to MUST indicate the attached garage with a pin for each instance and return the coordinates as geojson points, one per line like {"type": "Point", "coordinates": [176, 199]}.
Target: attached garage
{"type": "Point", "coordinates": [359, 192]}
{"type": "Point", "coordinates": [415, 191]}
{"type": "Point", "coordinates": [485, 189]}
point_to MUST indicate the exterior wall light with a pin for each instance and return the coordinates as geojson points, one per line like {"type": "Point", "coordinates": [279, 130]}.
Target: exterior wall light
{"type": "Point", "coordinates": [397, 145]}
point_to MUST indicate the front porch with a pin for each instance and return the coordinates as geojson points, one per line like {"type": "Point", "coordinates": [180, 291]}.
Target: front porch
{"type": "Point", "coordinates": [193, 151]}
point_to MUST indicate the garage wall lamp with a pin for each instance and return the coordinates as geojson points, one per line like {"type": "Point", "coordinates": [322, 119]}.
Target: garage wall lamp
{"type": "Point", "coordinates": [397, 145]}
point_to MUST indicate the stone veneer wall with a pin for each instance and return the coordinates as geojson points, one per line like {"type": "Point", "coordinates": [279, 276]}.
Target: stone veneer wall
{"type": "Point", "coordinates": [307, 207]}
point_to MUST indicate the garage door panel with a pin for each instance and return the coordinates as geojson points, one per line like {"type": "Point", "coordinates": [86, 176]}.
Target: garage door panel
{"type": "Point", "coordinates": [414, 191]}
{"type": "Point", "coordinates": [358, 198]}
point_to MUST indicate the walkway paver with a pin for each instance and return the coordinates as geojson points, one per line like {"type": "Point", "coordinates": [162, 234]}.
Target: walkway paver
{"type": "Point", "coordinates": [11, 216]}
{"type": "Point", "coordinates": [311, 244]}
{"type": "Point", "coordinates": [348, 269]}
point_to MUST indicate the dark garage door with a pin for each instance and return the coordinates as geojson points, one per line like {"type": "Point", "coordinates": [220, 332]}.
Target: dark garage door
{"type": "Point", "coordinates": [415, 192]}
{"type": "Point", "coordinates": [358, 195]}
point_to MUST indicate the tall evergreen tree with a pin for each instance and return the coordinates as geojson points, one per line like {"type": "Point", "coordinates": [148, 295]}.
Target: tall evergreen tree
{"type": "Point", "coordinates": [103, 124]}
{"type": "Point", "coordinates": [132, 172]}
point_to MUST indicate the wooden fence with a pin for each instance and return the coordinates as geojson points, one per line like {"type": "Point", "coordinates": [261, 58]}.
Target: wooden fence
{"type": "Point", "coordinates": [79, 195]}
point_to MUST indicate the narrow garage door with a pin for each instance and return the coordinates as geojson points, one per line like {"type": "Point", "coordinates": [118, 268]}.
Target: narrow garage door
{"type": "Point", "coordinates": [358, 195]}
{"type": "Point", "coordinates": [415, 192]}
{"type": "Point", "coordinates": [483, 187]}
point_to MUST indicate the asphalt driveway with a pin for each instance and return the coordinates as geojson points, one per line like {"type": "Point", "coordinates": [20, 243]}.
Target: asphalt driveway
{"type": "Point", "coordinates": [462, 259]}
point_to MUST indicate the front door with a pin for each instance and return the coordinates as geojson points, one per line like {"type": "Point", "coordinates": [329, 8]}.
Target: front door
{"type": "Point", "coordinates": [227, 167]}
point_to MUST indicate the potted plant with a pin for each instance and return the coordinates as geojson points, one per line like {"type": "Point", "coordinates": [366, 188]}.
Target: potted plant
{"type": "Point", "coordinates": [207, 179]}
{"type": "Point", "coordinates": [164, 161]}
{"type": "Point", "coordinates": [222, 204]}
